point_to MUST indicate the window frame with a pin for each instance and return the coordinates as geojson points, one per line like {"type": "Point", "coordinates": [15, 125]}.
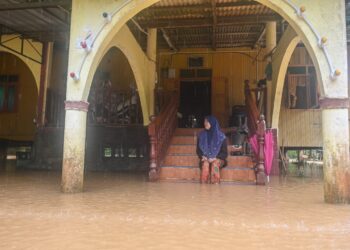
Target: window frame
{"type": "Point", "coordinates": [6, 85]}
{"type": "Point", "coordinates": [308, 88]}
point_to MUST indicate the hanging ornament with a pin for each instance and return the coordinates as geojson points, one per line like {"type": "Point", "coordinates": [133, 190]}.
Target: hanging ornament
{"type": "Point", "coordinates": [107, 17]}
{"type": "Point", "coordinates": [74, 76]}
{"type": "Point", "coordinates": [86, 46]}
{"type": "Point", "coordinates": [335, 74]}
{"type": "Point", "coordinates": [322, 42]}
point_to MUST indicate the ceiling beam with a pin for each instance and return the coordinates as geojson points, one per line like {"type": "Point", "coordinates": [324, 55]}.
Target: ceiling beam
{"type": "Point", "coordinates": [263, 30]}
{"type": "Point", "coordinates": [206, 22]}
{"type": "Point", "coordinates": [11, 31]}
{"type": "Point", "coordinates": [37, 35]}
{"type": "Point", "coordinates": [36, 5]}
{"type": "Point", "coordinates": [168, 40]}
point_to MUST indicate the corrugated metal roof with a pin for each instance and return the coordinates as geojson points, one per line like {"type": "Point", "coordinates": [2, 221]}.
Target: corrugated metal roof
{"type": "Point", "coordinates": [203, 23]}
{"type": "Point", "coordinates": [44, 20]}
{"type": "Point", "coordinates": [49, 20]}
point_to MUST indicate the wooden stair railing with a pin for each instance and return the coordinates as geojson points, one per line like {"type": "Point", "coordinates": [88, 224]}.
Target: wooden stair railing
{"type": "Point", "coordinates": [256, 125]}
{"type": "Point", "coordinates": [160, 131]}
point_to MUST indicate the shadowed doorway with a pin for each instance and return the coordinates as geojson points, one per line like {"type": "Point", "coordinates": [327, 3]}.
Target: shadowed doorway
{"type": "Point", "coordinates": [195, 102]}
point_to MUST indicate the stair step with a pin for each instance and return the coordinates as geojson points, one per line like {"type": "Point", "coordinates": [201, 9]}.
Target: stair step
{"type": "Point", "coordinates": [187, 140]}
{"type": "Point", "coordinates": [181, 149]}
{"type": "Point", "coordinates": [193, 161]}
{"type": "Point", "coordinates": [195, 131]}
{"type": "Point", "coordinates": [187, 131]}
{"type": "Point", "coordinates": [193, 174]}
{"type": "Point", "coordinates": [184, 140]}
{"type": "Point", "coordinates": [187, 149]}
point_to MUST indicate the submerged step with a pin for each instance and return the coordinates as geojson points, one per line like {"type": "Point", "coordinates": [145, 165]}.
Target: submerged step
{"type": "Point", "coordinates": [193, 161]}
{"type": "Point", "coordinates": [193, 174]}
{"type": "Point", "coordinates": [186, 149]}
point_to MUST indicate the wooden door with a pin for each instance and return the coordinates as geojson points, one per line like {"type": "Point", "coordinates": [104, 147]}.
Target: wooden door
{"type": "Point", "coordinates": [171, 85]}
{"type": "Point", "coordinates": [219, 100]}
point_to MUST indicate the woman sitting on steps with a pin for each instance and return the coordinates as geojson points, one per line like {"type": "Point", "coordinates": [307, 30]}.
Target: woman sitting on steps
{"type": "Point", "coordinates": [211, 150]}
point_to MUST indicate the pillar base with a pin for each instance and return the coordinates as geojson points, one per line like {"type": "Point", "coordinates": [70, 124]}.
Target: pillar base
{"type": "Point", "coordinates": [153, 175]}
{"type": "Point", "coordinates": [336, 167]}
{"type": "Point", "coordinates": [260, 178]}
{"type": "Point", "coordinates": [72, 176]}
{"type": "Point", "coordinates": [337, 186]}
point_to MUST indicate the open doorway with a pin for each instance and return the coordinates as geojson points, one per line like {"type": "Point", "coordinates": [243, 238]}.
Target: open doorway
{"type": "Point", "coordinates": [195, 102]}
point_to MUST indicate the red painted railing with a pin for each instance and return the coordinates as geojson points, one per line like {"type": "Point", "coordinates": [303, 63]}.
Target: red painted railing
{"type": "Point", "coordinates": [160, 131]}
{"type": "Point", "coordinates": [256, 125]}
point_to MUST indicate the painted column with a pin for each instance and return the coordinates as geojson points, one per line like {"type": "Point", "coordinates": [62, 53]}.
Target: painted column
{"type": "Point", "coordinates": [335, 132]}
{"type": "Point", "coordinates": [152, 56]}
{"type": "Point", "coordinates": [271, 39]}
{"type": "Point", "coordinates": [74, 146]}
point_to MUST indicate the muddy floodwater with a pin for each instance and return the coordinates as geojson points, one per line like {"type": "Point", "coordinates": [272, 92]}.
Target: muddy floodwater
{"type": "Point", "coordinates": [124, 211]}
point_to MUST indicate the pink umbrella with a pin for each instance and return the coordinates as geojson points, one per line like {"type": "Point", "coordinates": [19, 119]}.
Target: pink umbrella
{"type": "Point", "coordinates": [253, 140]}
{"type": "Point", "coordinates": [268, 152]}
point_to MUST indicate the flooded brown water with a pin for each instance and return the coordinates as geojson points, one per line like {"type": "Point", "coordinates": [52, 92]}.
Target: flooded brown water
{"type": "Point", "coordinates": [122, 211]}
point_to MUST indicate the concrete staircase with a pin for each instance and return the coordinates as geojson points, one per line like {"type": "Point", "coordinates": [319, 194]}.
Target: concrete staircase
{"type": "Point", "coordinates": [182, 164]}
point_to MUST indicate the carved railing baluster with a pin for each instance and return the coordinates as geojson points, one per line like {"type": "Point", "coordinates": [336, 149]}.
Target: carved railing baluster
{"type": "Point", "coordinates": [257, 126]}
{"type": "Point", "coordinates": [160, 132]}
{"type": "Point", "coordinates": [260, 168]}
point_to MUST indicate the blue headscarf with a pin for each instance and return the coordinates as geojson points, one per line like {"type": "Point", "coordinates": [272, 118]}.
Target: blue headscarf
{"type": "Point", "coordinates": [210, 141]}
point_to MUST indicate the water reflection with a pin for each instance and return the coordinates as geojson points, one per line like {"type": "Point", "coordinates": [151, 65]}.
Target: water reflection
{"type": "Point", "coordinates": [123, 211]}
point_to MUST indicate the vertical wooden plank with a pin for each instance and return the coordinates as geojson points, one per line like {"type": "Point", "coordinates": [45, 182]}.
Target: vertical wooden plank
{"type": "Point", "coordinates": [220, 100]}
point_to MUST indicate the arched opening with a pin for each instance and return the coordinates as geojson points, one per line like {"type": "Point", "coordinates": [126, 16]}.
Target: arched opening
{"type": "Point", "coordinates": [116, 137]}
{"type": "Point", "coordinates": [128, 11]}
{"type": "Point", "coordinates": [200, 63]}
{"type": "Point", "coordinates": [18, 103]}
{"type": "Point", "coordinates": [300, 119]}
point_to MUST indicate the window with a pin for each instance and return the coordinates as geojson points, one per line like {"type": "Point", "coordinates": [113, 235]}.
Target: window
{"type": "Point", "coordinates": [301, 89]}
{"type": "Point", "coordinates": [195, 61]}
{"type": "Point", "coordinates": [8, 93]}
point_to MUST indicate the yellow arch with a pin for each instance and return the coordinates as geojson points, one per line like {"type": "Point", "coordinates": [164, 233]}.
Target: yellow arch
{"type": "Point", "coordinates": [34, 67]}
{"type": "Point", "coordinates": [125, 41]}
{"type": "Point", "coordinates": [327, 88]}
{"type": "Point", "coordinates": [129, 8]}
{"type": "Point", "coordinates": [19, 125]}
{"type": "Point", "coordinates": [281, 59]}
